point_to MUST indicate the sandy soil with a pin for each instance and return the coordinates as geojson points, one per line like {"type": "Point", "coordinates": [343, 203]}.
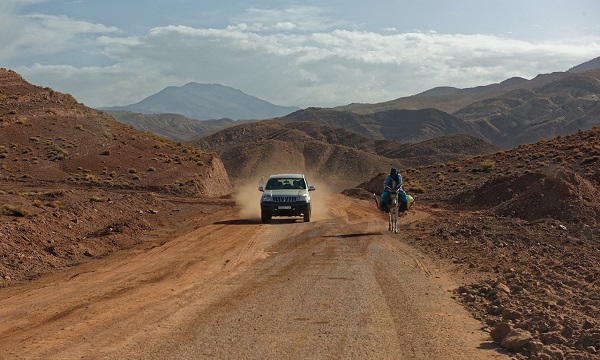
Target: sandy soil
{"type": "Point", "coordinates": [224, 286]}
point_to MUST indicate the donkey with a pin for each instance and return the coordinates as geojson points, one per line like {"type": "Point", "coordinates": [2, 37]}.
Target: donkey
{"type": "Point", "coordinates": [394, 206]}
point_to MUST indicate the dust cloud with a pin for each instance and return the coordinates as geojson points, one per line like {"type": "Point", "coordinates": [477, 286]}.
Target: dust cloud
{"type": "Point", "coordinates": [247, 197]}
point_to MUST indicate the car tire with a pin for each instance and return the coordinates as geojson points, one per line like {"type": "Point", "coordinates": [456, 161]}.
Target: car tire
{"type": "Point", "coordinates": [307, 216]}
{"type": "Point", "coordinates": [265, 217]}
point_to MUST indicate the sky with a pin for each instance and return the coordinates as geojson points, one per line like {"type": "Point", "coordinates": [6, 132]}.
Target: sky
{"type": "Point", "coordinates": [290, 52]}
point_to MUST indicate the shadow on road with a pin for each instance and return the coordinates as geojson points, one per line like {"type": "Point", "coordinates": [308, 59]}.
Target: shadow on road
{"type": "Point", "coordinates": [343, 236]}
{"type": "Point", "coordinates": [238, 222]}
{"type": "Point", "coordinates": [254, 222]}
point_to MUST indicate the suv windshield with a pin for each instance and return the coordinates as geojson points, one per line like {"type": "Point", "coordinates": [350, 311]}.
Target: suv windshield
{"type": "Point", "coordinates": [285, 183]}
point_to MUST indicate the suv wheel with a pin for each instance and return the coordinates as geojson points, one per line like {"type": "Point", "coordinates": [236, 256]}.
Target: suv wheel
{"type": "Point", "coordinates": [265, 217]}
{"type": "Point", "coordinates": [307, 216]}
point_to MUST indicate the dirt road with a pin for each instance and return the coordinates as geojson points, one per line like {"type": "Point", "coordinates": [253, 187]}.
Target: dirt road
{"type": "Point", "coordinates": [224, 287]}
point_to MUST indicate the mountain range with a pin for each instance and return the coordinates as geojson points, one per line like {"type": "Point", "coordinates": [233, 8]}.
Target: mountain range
{"type": "Point", "coordinates": [206, 101]}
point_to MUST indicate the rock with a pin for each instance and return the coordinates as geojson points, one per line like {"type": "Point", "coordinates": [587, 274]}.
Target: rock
{"type": "Point", "coordinates": [535, 347]}
{"type": "Point", "coordinates": [500, 331]}
{"type": "Point", "coordinates": [567, 332]}
{"type": "Point", "coordinates": [562, 227]}
{"type": "Point", "coordinates": [494, 310]}
{"type": "Point", "coordinates": [469, 298]}
{"type": "Point", "coordinates": [516, 340]}
{"type": "Point", "coordinates": [88, 254]}
{"type": "Point", "coordinates": [553, 337]}
{"type": "Point", "coordinates": [552, 352]}
{"type": "Point", "coordinates": [502, 287]}
{"type": "Point", "coordinates": [588, 325]}
{"type": "Point", "coordinates": [510, 314]}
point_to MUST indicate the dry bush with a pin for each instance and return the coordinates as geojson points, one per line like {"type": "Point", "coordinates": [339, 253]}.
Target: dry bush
{"type": "Point", "coordinates": [53, 204]}
{"type": "Point", "coordinates": [487, 165]}
{"type": "Point", "coordinates": [12, 210]}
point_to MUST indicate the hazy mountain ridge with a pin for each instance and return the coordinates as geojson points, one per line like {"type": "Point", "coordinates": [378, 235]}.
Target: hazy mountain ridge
{"type": "Point", "coordinates": [586, 66]}
{"type": "Point", "coordinates": [400, 125]}
{"type": "Point", "coordinates": [206, 102]}
{"type": "Point", "coordinates": [482, 107]}
{"type": "Point", "coordinates": [450, 99]}
{"type": "Point", "coordinates": [525, 116]}
{"type": "Point", "coordinates": [173, 126]}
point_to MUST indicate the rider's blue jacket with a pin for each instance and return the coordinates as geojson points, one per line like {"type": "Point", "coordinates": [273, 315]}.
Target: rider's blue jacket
{"type": "Point", "coordinates": [391, 182]}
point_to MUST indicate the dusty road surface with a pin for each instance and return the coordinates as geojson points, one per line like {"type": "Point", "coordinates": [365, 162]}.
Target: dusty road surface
{"type": "Point", "coordinates": [226, 287]}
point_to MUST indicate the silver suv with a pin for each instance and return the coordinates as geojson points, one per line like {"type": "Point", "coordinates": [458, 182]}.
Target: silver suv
{"type": "Point", "coordinates": [285, 195]}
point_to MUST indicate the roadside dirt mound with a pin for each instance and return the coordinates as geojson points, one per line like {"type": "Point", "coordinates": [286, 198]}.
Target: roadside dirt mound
{"type": "Point", "coordinates": [358, 193]}
{"type": "Point", "coordinates": [564, 196]}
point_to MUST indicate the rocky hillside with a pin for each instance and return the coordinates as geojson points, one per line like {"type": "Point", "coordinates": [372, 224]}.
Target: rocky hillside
{"type": "Point", "coordinates": [333, 154]}
{"type": "Point", "coordinates": [49, 137]}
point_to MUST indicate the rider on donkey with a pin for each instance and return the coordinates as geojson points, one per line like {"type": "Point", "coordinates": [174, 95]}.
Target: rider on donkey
{"type": "Point", "coordinates": [393, 181]}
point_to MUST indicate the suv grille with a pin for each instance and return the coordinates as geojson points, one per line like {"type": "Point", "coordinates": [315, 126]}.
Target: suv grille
{"type": "Point", "coordinates": [285, 198]}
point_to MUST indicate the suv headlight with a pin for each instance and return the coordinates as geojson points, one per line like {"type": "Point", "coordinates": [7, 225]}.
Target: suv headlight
{"type": "Point", "coordinates": [304, 197]}
{"type": "Point", "coordinates": [266, 197]}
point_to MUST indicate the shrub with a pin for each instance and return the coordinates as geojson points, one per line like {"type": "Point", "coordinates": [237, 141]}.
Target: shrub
{"type": "Point", "coordinates": [55, 152]}
{"type": "Point", "coordinates": [487, 165]}
{"type": "Point", "coordinates": [53, 204]}
{"type": "Point", "coordinates": [416, 190]}
{"type": "Point", "coordinates": [12, 210]}
{"type": "Point", "coordinates": [590, 160]}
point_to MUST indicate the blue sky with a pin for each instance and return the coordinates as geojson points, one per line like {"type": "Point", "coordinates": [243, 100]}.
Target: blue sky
{"type": "Point", "coordinates": [302, 53]}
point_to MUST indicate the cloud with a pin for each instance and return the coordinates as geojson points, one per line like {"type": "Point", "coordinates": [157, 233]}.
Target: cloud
{"type": "Point", "coordinates": [295, 56]}
{"type": "Point", "coordinates": [40, 35]}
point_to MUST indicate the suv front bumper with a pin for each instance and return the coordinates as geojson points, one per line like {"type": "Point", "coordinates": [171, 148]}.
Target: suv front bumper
{"type": "Point", "coordinates": [285, 208]}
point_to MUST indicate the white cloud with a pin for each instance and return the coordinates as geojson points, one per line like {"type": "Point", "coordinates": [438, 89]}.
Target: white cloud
{"type": "Point", "coordinates": [41, 35]}
{"type": "Point", "coordinates": [293, 56]}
